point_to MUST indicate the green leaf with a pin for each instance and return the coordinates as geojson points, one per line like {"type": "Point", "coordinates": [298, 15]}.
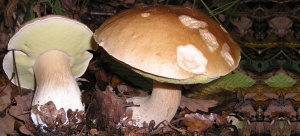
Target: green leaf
{"type": "Point", "coordinates": [260, 66]}
{"type": "Point", "coordinates": [56, 7]}
{"type": "Point", "coordinates": [232, 81]}
{"type": "Point", "coordinates": [224, 86]}
{"type": "Point", "coordinates": [280, 80]}
{"type": "Point", "coordinates": [229, 82]}
{"type": "Point", "coordinates": [29, 15]}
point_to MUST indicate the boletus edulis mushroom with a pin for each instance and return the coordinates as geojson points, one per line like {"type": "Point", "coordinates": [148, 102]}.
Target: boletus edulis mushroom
{"type": "Point", "coordinates": [50, 52]}
{"type": "Point", "coordinates": [171, 45]}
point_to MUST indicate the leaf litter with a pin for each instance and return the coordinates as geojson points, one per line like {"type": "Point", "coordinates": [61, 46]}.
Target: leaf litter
{"type": "Point", "coordinates": [105, 94]}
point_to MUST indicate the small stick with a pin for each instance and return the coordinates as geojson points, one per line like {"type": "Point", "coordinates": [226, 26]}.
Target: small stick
{"type": "Point", "coordinates": [16, 71]}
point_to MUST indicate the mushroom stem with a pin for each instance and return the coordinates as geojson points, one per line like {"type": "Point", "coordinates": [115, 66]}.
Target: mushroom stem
{"type": "Point", "coordinates": [161, 105]}
{"type": "Point", "coordinates": [55, 82]}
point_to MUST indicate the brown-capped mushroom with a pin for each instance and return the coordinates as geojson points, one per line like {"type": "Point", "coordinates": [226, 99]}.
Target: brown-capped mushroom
{"type": "Point", "coordinates": [171, 45]}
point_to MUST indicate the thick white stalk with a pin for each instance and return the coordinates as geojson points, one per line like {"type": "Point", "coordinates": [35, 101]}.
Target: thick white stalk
{"type": "Point", "coordinates": [55, 82]}
{"type": "Point", "coordinates": [161, 105]}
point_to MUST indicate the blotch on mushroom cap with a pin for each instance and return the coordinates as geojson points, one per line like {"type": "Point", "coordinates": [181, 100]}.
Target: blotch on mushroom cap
{"type": "Point", "coordinates": [191, 59]}
{"type": "Point", "coordinates": [209, 39]}
{"type": "Point", "coordinates": [145, 14]}
{"type": "Point", "coordinates": [226, 55]}
{"type": "Point", "coordinates": [192, 22]}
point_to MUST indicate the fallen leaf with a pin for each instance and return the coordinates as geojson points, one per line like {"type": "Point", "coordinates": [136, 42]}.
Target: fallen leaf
{"type": "Point", "coordinates": [242, 23]}
{"type": "Point", "coordinates": [276, 108]}
{"type": "Point", "coordinates": [196, 122]}
{"type": "Point", "coordinates": [21, 112]}
{"type": "Point", "coordinates": [3, 40]}
{"type": "Point", "coordinates": [196, 104]}
{"type": "Point", "coordinates": [249, 96]}
{"type": "Point", "coordinates": [23, 129]}
{"type": "Point", "coordinates": [49, 114]}
{"type": "Point", "coordinates": [271, 95]}
{"type": "Point", "coordinates": [290, 96]}
{"type": "Point", "coordinates": [7, 124]}
{"type": "Point", "coordinates": [295, 126]}
{"type": "Point", "coordinates": [281, 127]}
{"type": "Point", "coordinates": [24, 101]}
{"type": "Point", "coordinates": [260, 127]}
{"type": "Point", "coordinates": [132, 92]}
{"type": "Point", "coordinates": [107, 108]}
{"type": "Point", "coordinates": [5, 97]}
{"type": "Point", "coordinates": [246, 108]}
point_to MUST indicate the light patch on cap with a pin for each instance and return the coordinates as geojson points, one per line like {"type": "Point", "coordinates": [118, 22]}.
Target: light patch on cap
{"type": "Point", "coordinates": [223, 29]}
{"type": "Point", "coordinates": [192, 22]}
{"type": "Point", "coordinates": [226, 55]}
{"type": "Point", "coordinates": [210, 39]}
{"type": "Point", "coordinates": [145, 14]}
{"type": "Point", "coordinates": [191, 59]}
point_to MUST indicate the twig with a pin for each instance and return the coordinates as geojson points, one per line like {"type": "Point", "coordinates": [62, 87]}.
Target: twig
{"type": "Point", "coordinates": [87, 110]}
{"type": "Point", "coordinates": [16, 72]}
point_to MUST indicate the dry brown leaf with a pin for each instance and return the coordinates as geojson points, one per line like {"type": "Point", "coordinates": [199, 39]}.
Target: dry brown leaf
{"type": "Point", "coordinates": [242, 24]}
{"type": "Point", "coordinates": [24, 101]}
{"type": "Point", "coordinates": [280, 23]}
{"type": "Point", "coordinates": [7, 124]}
{"type": "Point", "coordinates": [276, 108]}
{"type": "Point", "coordinates": [249, 96]}
{"type": "Point", "coordinates": [5, 97]}
{"type": "Point", "coordinates": [49, 114]}
{"type": "Point", "coordinates": [271, 95]}
{"type": "Point", "coordinates": [196, 122]}
{"type": "Point", "coordinates": [103, 76]}
{"type": "Point", "coordinates": [260, 127]}
{"type": "Point", "coordinates": [37, 10]}
{"type": "Point", "coordinates": [109, 107]}
{"type": "Point", "coordinates": [281, 127]}
{"type": "Point", "coordinates": [295, 126]}
{"type": "Point", "coordinates": [3, 40]}
{"type": "Point", "coordinates": [246, 108]}
{"type": "Point", "coordinates": [196, 104]}
{"type": "Point", "coordinates": [290, 96]}
{"type": "Point", "coordinates": [21, 112]}
{"type": "Point", "coordinates": [132, 92]}
{"type": "Point", "coordinates": [23, 129]}
{"type": "Point", "coordinates": [115, 81]}
{"type": "Point", "coordinates": [10, 7]}
{"type": "Point", "coordinates": [17, 112]}
{"type": "Point", "coordinates": [93, 132]}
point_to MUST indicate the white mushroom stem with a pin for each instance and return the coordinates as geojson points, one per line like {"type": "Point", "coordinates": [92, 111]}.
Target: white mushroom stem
{"type": "Point", "coordinates": [161, 105]}
{"type": "Point", "coordinates": [55, 82]}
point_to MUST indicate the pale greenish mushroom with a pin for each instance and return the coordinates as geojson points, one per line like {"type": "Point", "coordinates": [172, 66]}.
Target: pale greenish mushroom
{"type": "Point", "coordinates": [50, 52]}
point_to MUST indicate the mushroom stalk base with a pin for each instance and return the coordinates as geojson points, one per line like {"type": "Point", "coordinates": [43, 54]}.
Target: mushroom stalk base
{"type": "Point", "coordinates": [161, 105]}
{"type": "Point", "coordinates": [55, 82]}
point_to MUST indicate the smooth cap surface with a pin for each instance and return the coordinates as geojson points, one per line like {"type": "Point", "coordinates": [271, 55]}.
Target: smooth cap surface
{"type": "Point", "coordinates": [169, 44]}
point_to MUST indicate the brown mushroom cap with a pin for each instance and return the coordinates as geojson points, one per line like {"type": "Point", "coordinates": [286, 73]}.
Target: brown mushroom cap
{"type": "Point", "coordinates": [170, 44]}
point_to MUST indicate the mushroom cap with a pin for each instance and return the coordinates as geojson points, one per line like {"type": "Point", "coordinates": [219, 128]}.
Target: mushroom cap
{"type": "Point", "coordinates": [169, 44]}
{"type": "Point", "coordinates": [52, 32]}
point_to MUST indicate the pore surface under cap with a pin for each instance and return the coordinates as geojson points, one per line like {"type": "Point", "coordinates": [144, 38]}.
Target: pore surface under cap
{"type": "Point", "coordinates": [51, 32]}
